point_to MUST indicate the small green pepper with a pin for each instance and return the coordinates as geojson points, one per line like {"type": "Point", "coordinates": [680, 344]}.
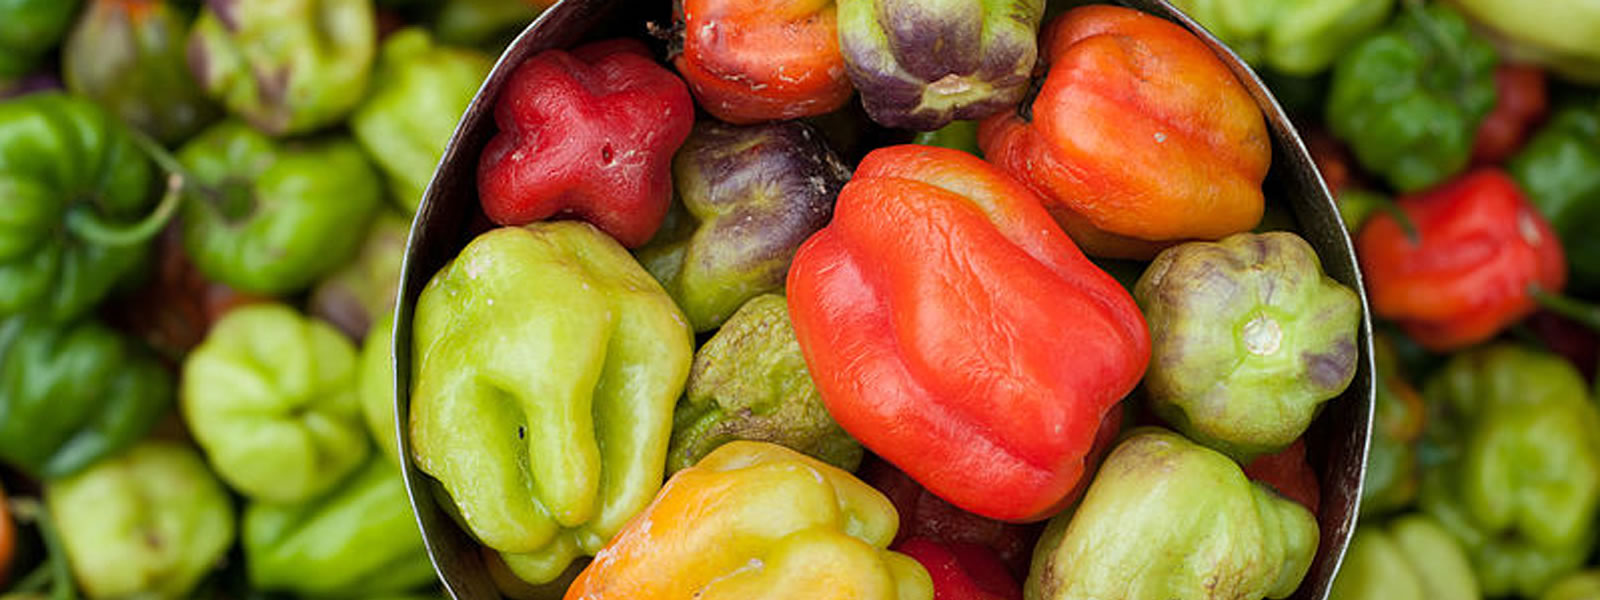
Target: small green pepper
{"type": "Point", "coordinates": [129, 58]}
{"type": "Point", "coordinates": [1296, 37]}
{"type": "Point", "coordinates": [376, 385]}
{"type": "Point", "coordinates": [1409, 100]}
{"type": "Point", "coordinates": [1559, 170]}
{"type": "Point", "coordinates": [1409, 558]}
{"type": "Point", "coordinates": [30, 29]}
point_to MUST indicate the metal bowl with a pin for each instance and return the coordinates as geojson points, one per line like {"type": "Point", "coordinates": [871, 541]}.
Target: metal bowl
{"type": "Point", "coordinates": [450, 215]}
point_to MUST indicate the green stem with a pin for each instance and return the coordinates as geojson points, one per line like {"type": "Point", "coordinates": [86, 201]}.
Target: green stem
{"type": "Point", "coordinates": [87, 224]}
{"type": "Point", "coordinates": [1566, 306]}
{"type": "Point", "coordinates": [55, 569]}
{"type": "Point", "coordinates": [1402, 219]}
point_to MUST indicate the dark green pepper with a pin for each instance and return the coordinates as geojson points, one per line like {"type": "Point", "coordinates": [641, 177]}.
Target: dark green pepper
{"type": "Point", "coordinates": [1409, 100]}
{"type": "Point", "coordinates": [29, 29]}
{"type": "Point", "coordinates": [73, 394]}
{"type": "Point", "coordinates": [1559, 170]}
{"type": "Point", "coordinates": [128, 56]}
{"type": "Point", "coordinates": [271, 217]}
{"type": "Point", "coordinates": [749, 382]}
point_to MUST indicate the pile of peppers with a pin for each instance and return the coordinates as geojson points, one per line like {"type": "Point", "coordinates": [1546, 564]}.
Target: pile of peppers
{"type": "Point", "coordinates": [894, 299]}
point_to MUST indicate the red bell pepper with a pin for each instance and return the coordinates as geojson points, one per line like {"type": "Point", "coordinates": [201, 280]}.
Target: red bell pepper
{"type": "Point", "coordinates": [962, 571]}
{"type": "Point", "coordinates": [955, 331]}
{"type": "Point", "coordinates": [1288, 472]}
{"type": "Point", "coordinates": [1469, 267]}
{"type": "Point", "coordinates": [750, 61]}
{"type": "Point", "coordinates": [591, 134]}
{"type": "Point", "coordinates": [1520, 103]}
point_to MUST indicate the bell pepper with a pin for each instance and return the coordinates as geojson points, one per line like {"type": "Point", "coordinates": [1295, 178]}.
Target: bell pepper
{"type": "Point", "coordinates": [1248, 338]}
{"type": "Point", "coordinates": [1520, 104]}
{"type": "Point", "coordinates": [925, 516]}
{"type": "Point", "coordinates": [419, 91]}
{"type": "Point", "coordinates": [30, 29]}
{"type": "Point", "coordinates": [128, 56]}
{"type": "Point", "coordinates": [921, 64]}
{"type": "Point", "coordinates": [751, 195]}
{"type": "Point", "coordinates": [1462, 269]}
{"type": "Point", "coordinates": [546, 366]}
{"type": "Point", "coordinates": [1584, 585]}
{"type": "Point", "coordinates": [1288, 473]}
{"type": "Point", "coordinates": [1409, 558]}
{"type": "Point", "coordinates": [962, 571]}
{"type": "Point", "coordinates": [270, 396]}
{"type": "Point", "coordinates": [1559, 170]}
{"type": "Point", "coordinates": [975, 275]}
{"type": "Point", "coordinates": [68, 173]}
{"type": "Point", "coordinates": [364, 289]}
{"type": "Point", "coordinates": [358, 540]}
{"type": "Point", "coordinates": [1517, 440]}
{"type": "Point", "coordinates": [1560, 35]}
{"type": "Point", "coordinates": [73, 394]}
{"type": "Point", "coordinates": [1168, 518]}
{"type": "Point", "coordinates": [271, 218]}
{"type": "Point", "coordinates": [1409, 100]}
{"type": "Point", "coordinates": [766, 60]}
{"type": "Point", "coordinates": [958, 135]}
{"type": "Point", "coordinates": [749, 382]}
{"type": "Point", "coordinates": [148, 523]}
{"type": "Point", "coordinates": [1139, 137]}
{"type": "Point", "coordinates": [588, 134]}
{"type": "Point", "coordinates": [375, 384]}
{"type": "Point", "coordinates": [1297, 37]}
{"type": "Point", "coordinates": [287, 66]}
{"type": "Point", "coordinates": [754, 519]}
{"type": "Point", "coordinates": [1397, 425]}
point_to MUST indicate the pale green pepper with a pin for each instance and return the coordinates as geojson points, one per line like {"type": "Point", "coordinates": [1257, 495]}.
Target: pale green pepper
{"type": "Point", "coordinates": [1296, 37]}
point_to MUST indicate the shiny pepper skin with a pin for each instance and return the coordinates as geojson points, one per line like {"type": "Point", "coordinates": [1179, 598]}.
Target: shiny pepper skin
{"type": "Point", "coordinates": [750, 61]}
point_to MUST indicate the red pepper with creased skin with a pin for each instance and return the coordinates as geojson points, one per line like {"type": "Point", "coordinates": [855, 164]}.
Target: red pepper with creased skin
{"type": "Point", "coordinates": [1288, 472]}
{"type": "Point", "coordinates": [957, 332]}
{"type": "Point", "coordinates": [1520, 103]}
{"type": "Point", "coordinates": [1479, 249]}
{"type": "Point", "coordinates": [962, 571]}
{"type": "Point", "coordinates": [589, 134]}
{"type": "Point", "coordinates": [750, 61]}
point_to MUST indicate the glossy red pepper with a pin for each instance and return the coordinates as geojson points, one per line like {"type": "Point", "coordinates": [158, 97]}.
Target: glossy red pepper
{"type": "Point", "coordinates": [1468, 269]}
{"type": "Point", "coordinates": [589, 134]}
{"type": "Point", "coordinates": [957, 332]}
{"type": "Point", "coordinates": [1520, 103]}
{"type": "Point", "coordinates": [750, 61]}
{"type": "Point", "coordinates": [1288, 472]}
{"type": "Point", "coordinates": [962, 571]}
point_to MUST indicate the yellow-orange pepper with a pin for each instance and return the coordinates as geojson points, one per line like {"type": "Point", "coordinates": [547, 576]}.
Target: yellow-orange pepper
{"type": "Point", "coordinates": [754, 519]}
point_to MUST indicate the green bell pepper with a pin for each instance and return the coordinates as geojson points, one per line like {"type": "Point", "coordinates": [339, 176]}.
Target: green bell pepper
{"type": "Point", "coordinates": [364, 289]}
{"type": "Point", "coordinates": [1583, 585]}
{"type": "Point", "coordinates": [1248, 337]}
{"type": "Point", "coordinates": [286, 66]}
{"type": "Point", "coordinates": [147, 524]}
{"type": "Point", "coordinates": [547, 363]}
{"type": "Point", "coordinates": [1397, 425]}
{"type": "Point", "coordinates": [70, 177]}
{"type": "Point", "coordinates": [1295, 37]}
{"type": "Point", "coordinates": [271, 398]}
{"type": "Point", "coordinates": [1560, 35]}
{"type": "Point", "coordinates": [271, 218]}
{"type": "Point", "coordinates": [749, 382]}
{"type": "Point", "coordinates": [73, 394]}
{"type": "Point", "coordinates": [1409, 558]}
{"type": "Point", "coordinates": [129, 58]}
{"type": "Point", "coordinates": [30, 29]}
{"type": "Point", "coordinates": [376, 385]}
{"type": "Point", "coordinates": [1167, 518]}
{"type": "Point", "coordinates": [359, 539]}
{"type": "Point", "coordinates": [1517, 442]}
{"type": "Point", "coordinates": [1409, 100]}
{"type": "Point", "coordinates": [419, 92]}
{"type": "Point", "coordinates": [1559, 170]}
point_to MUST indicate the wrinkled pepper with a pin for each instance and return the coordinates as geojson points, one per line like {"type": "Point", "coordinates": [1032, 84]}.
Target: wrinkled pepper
{"type": "Point", "coordinates": [588, 134]}
{"type": "Point", "coordinates": [149, 523]}
{"type": "Point", "coordinates": [1294, 37]}
{"type": "Point", "coordinates": [962, 571]}
{"type": "Point", "coordinates": [1583, 585]}
{"type": "Point", "coordinates": [375, 384]}
{"type": "Point", "coordinates": [73, 394]}
{"type": "Point", "coordinates": [977, 275]}
{"type": "Point", "coordinates": [924, 515]}
{"type": "Point", "coordinates": [921, 64]}
{"type": "Point", "coordinates": [30, 29]}
{"type": "Point", "coordinates": [69, 173]}
{"type": "Point", "coordinates": [269, 217]}
{"type": "Point", "coordinates": [750, 196]}
{"type": "Point", "coordinates": [1248, 337]}
{"type": "Point", "coordinates": [1168, 518]}
{"type": "Point", "coordinates": [1398, 417]}
{"type": "Point", "coordinates": [754, 519]}
{"type": "Point", "coordinates": [1520, 103]}
{"type": "Point", "coordinates": [1461, 269]}
{"type": "Point", "coordinates": [749, 382]}
{"type": "Point", "coordinates": [1559, 35]}
{"type": "Point", "coordinates": [358, 540]}
{"type": "Point", "coordinates": [547, 363]}
{"type": "Point", "coordinates": [270, 396]}
{"type": "Point", "coordinates": [363, 290]}
{"type": "Point", "coordinates": [1559, 170]}
{"type": "Point", "coordinates": [1139, 137]}
{"type": "Point", "coordinates": [128, 56]}
{"type": "Point", "coordinates": [1517, 440]}
{"type": "Point", "coordinates": [766, 60]}
{"type": "Point", "coordinates": [1409, 100]}
{"type": "Point", "coordinates": [286, 66]}
{"type": "Point", "coordinates": [1409, 558]}
{"type": "Point", "coordinates": [419, 90]}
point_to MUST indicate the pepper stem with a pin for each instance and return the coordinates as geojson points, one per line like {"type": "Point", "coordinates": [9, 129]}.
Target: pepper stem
{"type": "Point", "coordinates": [85, 223]}
{"type": "Point", "coordinates": [1567, 306]}
{"type": "Point", "coordinates": [55, 569]}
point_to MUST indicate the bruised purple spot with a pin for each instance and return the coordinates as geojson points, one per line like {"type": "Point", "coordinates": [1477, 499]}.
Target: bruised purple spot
{"type": "Point", "coordinates": [227, 11]}
{"type": "Point", "coordinates": [1331, 370]}
{"type": "Point", "coordinates": [272, 87]}
{"type": "Point", "coordinates": [199, 59]}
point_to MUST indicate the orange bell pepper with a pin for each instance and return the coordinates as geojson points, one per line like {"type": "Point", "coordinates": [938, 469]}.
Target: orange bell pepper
{"type": "Point", "coordinates": [1140, 137]}
{"type": "Point", "coordinates": [749, 61]}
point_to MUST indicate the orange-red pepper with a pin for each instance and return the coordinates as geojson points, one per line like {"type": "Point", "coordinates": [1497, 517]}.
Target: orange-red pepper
{"type": "Point", "coordinates": [1139, 138]}
{"type": "Point", "coordinates": [958, 333]}
{"type": "Point", "coordinates": [749, 61]}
